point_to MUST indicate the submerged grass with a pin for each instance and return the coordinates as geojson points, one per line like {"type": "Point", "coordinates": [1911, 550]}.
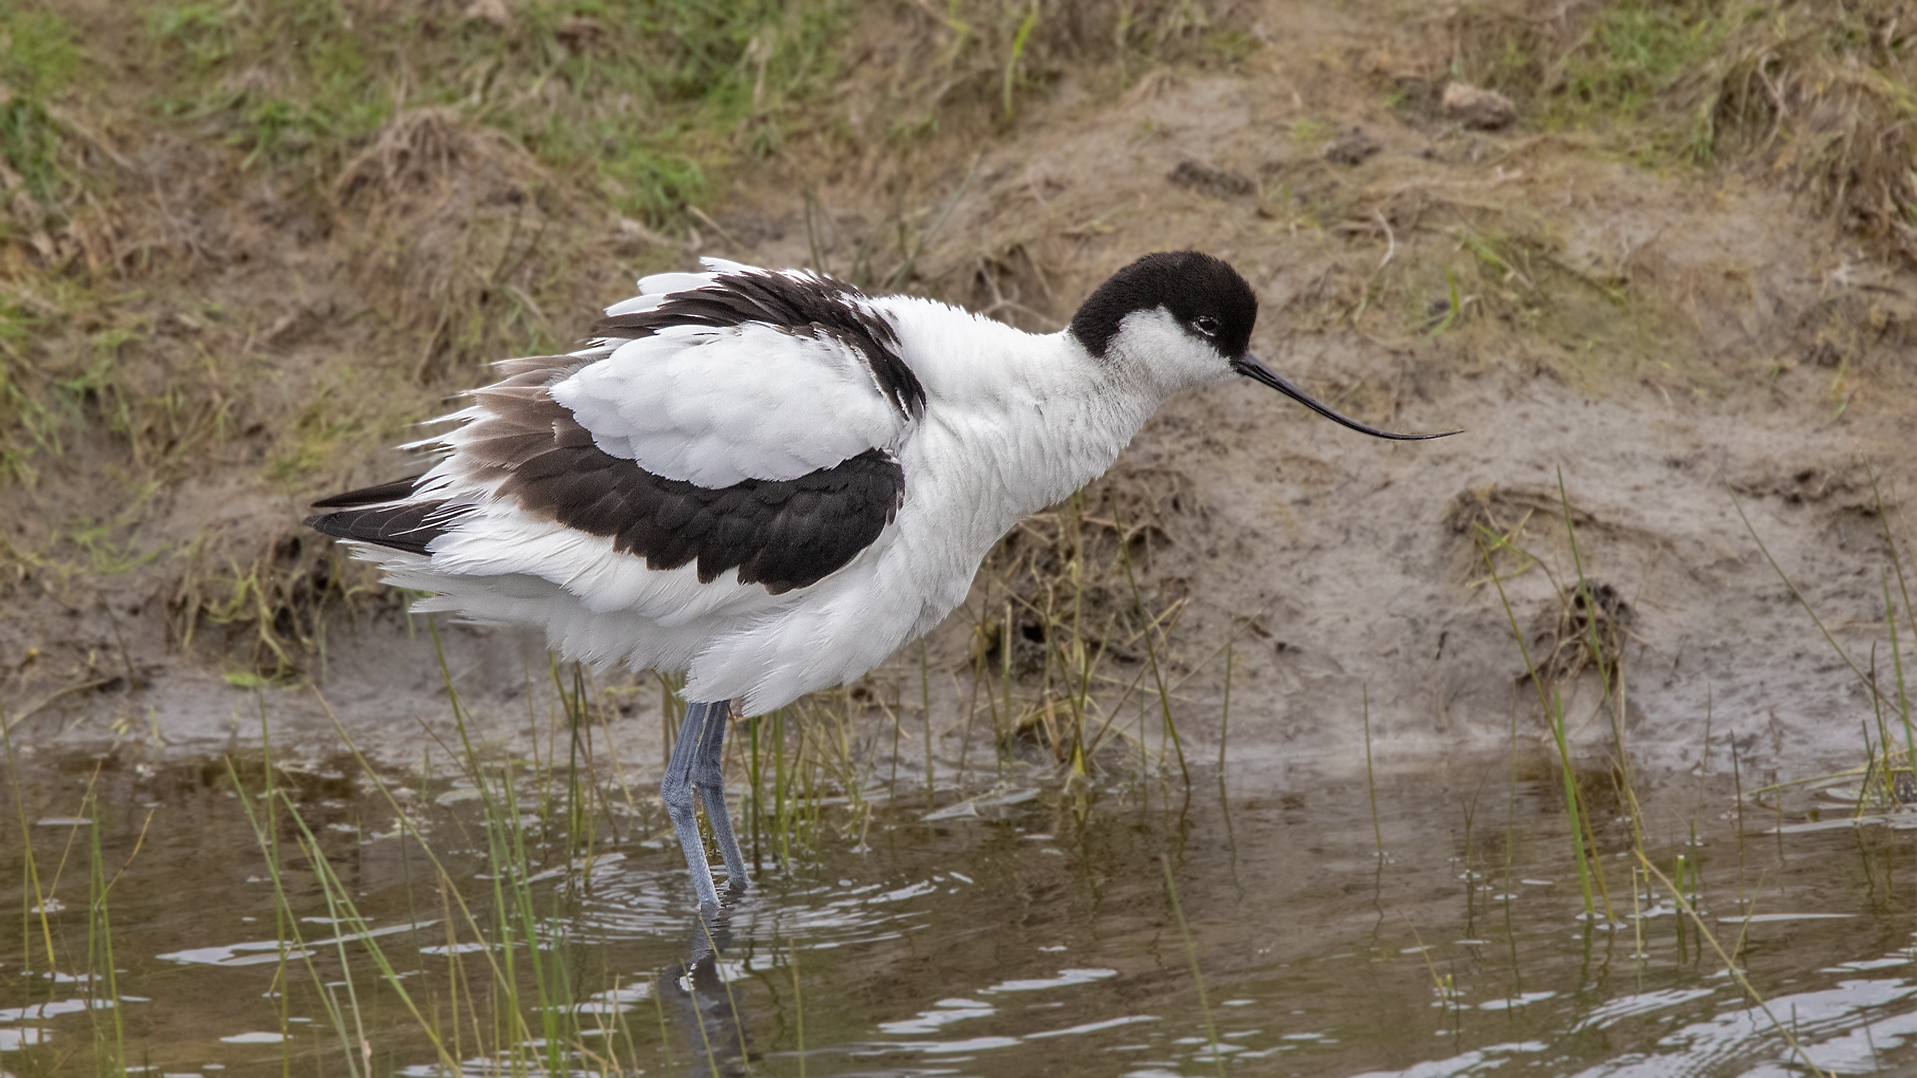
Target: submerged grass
{"type": "Point", "coordinates": [1197, 975]}
{"type": "Point", "coordinates": [1545, 679]}
{"type": "Point", "coordinates": [1595, 628]}
{"type": "Point", "coordinates": [487, 969]}
{"type": "Point", "coordinates": [1732, 969]}
{"type": "Point", "coordinates": [98, 976]}
{"type": "Point", "coordinates": [517, 1006]}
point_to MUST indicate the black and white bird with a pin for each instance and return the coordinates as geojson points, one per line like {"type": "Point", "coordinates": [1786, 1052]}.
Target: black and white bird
{"type": "Point", "coordinates": [771, 481]}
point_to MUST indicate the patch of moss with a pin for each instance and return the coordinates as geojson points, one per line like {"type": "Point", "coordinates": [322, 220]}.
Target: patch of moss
{"type": "Point", "coordinates": [29, 143]}
{"type": "Point", "coordinates": [39, 51]}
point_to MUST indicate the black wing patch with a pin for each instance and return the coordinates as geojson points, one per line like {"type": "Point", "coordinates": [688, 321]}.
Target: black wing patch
{"type": "Point", "coordinates": [377, 515]}
{"type": "Point", "coordinates": [782, 534]}
{"type": "Point", "coordinates": [394, 491]}
{"type": "Point", "coordinates": [816, 305]}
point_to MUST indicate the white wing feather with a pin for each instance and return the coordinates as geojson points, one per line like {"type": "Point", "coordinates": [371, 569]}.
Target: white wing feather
{"type": "Point", "coordinates": [715, 406]}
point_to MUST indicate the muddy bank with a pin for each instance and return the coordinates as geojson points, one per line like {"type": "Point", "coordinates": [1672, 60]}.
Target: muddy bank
{"type": "Point", "coordinates": [1347, 572]}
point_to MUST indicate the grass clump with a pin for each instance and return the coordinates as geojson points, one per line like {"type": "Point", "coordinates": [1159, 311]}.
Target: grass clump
{"type": "Point", "coordinates": [1587, 64]}
{"type": "Point", "coordinates": [43, 156]}
{"type": "Point", "coordinates": [29, 141]}
{"type": "Point", "coordinates": [981, 59]}
{"type": "Point", "coordinates": [637, 97]}
{"type": "Point", "coordinates": [1076, 654]}
{"type": "Point", "coordinates": [39, 51]}
{"type": "Point", "coordinates": [1819, 94]}
{"type": "Point", "coordinates": [455, 219]}
{"type": "Point", "coordinates": [1824, 95]}
{"type": "Point", "coordinates": [269, 613]}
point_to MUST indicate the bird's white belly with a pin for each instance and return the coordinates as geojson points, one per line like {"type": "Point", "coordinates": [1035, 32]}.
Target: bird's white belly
{"type": "Point", "coordinates": [735, 642]}
{"type": "Point", "coordinates": [896, 590]}
{"type": "Point", "coordinates": [969, 476]}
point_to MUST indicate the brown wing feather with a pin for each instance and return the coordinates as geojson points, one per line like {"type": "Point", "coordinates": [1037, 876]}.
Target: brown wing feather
{"type": "Point", "coordinates": [782, 534]}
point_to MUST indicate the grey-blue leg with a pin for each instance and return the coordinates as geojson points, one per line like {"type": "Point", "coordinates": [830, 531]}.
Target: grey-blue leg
{"type": "Point", "coordinates": [709, 778]}
{"type": "Point", "coordinates": [696, 766]}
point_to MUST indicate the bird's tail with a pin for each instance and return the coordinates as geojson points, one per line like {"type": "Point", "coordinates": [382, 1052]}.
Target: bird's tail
{"type": "Point", "coordinates": [391, 515]}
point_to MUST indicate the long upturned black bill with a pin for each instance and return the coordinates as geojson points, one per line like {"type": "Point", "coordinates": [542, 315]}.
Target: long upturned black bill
{"type": "Point", "coordinates": [1249, 366]}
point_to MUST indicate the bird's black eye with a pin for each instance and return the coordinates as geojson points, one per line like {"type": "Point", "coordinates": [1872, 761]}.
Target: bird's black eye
{"type": "Point", "coordinates": [1207, 325]}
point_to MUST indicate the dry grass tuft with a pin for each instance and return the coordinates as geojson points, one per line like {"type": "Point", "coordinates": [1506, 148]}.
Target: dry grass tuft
{"type": "Point", "coordinates": [979, 59]}
{"type": "Point", "coordinates": [1065, 569]}
{"type": "Point", "coordinates": [1013, 285]}
{"type": "Point", "coordinates": [1516, 49]}
{"type": "Point", "coordinates": [448, 221]}
{"type": "Point", "coordinates": [269, 612]}
{"type": "Point", "coordinates": [1837, 121]}
{"type": "Point", "coordinates": [1586, 632]}
{"type": "Point", "coordinates": [427, 154]}
{"type": "Point", "coordinates": [1819, 94]}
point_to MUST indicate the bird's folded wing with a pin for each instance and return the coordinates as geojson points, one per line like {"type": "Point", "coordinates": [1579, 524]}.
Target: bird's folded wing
{"type": "Point", "coordinates": [740, 373]}
{"type": "Point", "coordinates": [733, 420]}
{"type": "Point", "coordinates": [716, 405]}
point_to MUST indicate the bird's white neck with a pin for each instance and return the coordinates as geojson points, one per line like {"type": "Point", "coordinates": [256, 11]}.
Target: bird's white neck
{"type": "Point", "coordinates": [1079, 416]}
{"type": "Point", "coordinates": [1035, 417]}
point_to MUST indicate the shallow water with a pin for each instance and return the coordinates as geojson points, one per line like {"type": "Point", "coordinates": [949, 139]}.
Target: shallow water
{"type": "Point", "coordinates": [1023, 945]}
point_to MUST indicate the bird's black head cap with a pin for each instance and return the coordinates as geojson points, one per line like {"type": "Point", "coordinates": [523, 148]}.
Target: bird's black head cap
{"type": "Point", "coordinates": [1204, 293]}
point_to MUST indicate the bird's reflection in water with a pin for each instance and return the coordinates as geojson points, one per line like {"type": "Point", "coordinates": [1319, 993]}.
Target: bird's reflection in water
{"type": "Point", "coordinates": [703, 1005]}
